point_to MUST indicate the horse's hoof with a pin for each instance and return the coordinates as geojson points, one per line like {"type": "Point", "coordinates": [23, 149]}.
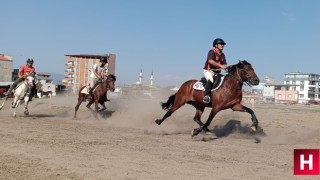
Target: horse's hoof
{"type": "Point", "coordinates": [209, 133]}
{"type": "Point", "coordinates": [102, 109]}
{"type": "Point", "coordinates": [158, 121]}
{"type": "Point", "coordinates": [254, 129]}
{"type": "Point", "coordinates": [194, 133]}
{"type": "Point", "coordinates": [26, 113]}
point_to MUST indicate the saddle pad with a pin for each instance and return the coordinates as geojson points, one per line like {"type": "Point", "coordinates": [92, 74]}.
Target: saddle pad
{"type": "Point", "coordinates": [199, 85]}
{"type": "Point", "coordinates": [85, 90]}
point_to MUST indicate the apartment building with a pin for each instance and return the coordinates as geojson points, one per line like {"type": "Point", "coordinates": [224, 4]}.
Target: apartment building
{"type": "Point", "coordinates": [307, 85]}
{"type": "Point", "coordinates": [5, 68]}
{"type": "Point", "coordinates": [78, 67]}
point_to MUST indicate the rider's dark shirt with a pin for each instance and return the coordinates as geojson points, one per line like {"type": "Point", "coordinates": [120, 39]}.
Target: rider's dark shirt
{"type": "Point", "coordinates": [217, 56]}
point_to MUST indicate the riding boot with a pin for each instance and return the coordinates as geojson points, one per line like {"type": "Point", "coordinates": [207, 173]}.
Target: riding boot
{"type": "Point", "coordinates": [206, 98]}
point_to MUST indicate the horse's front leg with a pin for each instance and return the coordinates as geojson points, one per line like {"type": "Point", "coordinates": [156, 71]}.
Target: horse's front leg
{"type": "Point", "coordinates": [103, 106]}
{"type": "Point", "coordinates": [96, 109]}
{"type": "Point", "coordinates": [26, 102]}
{"type": "Point", "coordinates": [242, 108]}
{"type": "Point", "coordinates": [14, 102]}
{"type": "Point", "coordinates": [205, 126]}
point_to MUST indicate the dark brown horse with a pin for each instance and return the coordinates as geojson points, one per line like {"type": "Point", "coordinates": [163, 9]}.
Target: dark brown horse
{"type": "Point", "coordinates": [99, 95]}
{"type": "Point", "coordinates": [229, 95]}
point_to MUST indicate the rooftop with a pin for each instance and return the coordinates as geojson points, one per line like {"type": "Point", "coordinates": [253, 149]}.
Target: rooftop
{"type": "Point", "coordinates": [88, 56]}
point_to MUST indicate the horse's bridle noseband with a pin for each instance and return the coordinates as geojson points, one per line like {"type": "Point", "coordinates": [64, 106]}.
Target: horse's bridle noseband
{"type": "Point", "coordinates": [250, 79]}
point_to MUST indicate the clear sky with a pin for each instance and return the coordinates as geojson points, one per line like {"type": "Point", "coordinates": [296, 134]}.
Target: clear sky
{"type": "Point", "coordinates": [170, 37]}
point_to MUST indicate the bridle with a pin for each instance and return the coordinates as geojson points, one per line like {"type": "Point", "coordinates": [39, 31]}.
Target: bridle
{"type": "Point", "coordinates": [108, 81]}
{"type": "Point", "coordinates": [249, 80]}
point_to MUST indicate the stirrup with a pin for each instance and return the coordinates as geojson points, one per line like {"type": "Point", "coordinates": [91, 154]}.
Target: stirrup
{"type": "Point", "coordinates": [206, 99]}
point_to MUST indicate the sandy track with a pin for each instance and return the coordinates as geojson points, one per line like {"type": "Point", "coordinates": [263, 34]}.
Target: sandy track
{"type": "Point", "coordinates": [125, 143]}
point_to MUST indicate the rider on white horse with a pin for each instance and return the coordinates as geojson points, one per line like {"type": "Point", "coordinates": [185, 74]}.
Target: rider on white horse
{"type": "Point", "coordinates": [24, 70]}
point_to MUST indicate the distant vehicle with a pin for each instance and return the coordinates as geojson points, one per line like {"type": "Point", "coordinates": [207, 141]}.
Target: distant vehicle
{"type": "Point", "coordinates": [2, 90]}
{"type": "Point", "coordinates": [45, 87]}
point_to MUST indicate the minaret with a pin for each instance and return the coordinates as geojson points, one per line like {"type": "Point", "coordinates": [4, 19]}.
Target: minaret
{"type": "Point", "coordinates": [151, 79]}
{"type": "Point", "coordinates": [140, 76]}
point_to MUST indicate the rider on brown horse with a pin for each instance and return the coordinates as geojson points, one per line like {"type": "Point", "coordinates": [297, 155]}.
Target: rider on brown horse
{"type": "Point", "coordinates": [216, 60]}
{"type": "Point", "coordinates": [96, 76]}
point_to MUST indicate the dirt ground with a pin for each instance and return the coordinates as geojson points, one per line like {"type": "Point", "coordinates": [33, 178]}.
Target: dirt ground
{"type": "Point", "coordinates": [125, 143]}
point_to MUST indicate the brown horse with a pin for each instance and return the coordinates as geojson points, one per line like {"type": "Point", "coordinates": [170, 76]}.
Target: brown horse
{"type": "Point", "coordinates": [229, 95]}
{"type": "Point", "coordinates": [99, 95]}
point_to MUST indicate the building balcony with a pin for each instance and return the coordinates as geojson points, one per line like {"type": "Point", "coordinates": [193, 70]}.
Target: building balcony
{"type": "Point", "coordinates": [68, 77]}
{"type": "Point", "coordinates": [69, 66]}
{"type": "Point", "coordinates": [69, 72]}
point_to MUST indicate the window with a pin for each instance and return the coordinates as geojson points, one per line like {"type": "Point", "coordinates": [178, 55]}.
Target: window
{"type": "Point", "coordinates": [301, 95]}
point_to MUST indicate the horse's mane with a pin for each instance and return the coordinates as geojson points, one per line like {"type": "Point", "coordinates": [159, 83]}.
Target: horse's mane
{"type": "Point", "coordinates": [112, 76]}
{"type": "Point", "coordinates": [240, 64]}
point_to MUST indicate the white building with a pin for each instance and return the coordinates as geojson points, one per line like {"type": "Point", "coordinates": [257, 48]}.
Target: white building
{"type": "Point", "coordinates": [307, 84]}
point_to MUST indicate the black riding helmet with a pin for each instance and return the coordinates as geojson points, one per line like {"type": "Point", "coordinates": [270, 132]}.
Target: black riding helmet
{"type": "Point", "coordinates": [30, 60]}
{"type": "Point", "coordinates": [218, 41]}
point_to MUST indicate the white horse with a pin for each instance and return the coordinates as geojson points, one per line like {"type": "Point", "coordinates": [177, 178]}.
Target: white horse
{"type": "Point", "coordinates": [21, 94]}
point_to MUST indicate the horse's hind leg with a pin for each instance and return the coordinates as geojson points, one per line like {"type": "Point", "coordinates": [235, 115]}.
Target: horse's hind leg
{"type": "Point", "coordinates": [80, 99]}
{"type": "Point", "coordinates": [205, 126]}
{"type": "Point", "coordinates": [197, 117]}
{"type": "Point", "coordinates": [177, 104]}
{"type": "Point", "coordinates": [242, 108]}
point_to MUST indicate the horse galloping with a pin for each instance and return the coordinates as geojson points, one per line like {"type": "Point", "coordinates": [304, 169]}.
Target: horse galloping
{"type": "Point", "coordinates": [22, 93]}
{"type": "Point", "coordinates": [229, 95]}
{"type": "Point", "coordinates": [99, 95]}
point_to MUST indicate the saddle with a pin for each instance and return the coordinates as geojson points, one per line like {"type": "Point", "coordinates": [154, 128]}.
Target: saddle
{"type": "Point", "coordinates": [217, 81]}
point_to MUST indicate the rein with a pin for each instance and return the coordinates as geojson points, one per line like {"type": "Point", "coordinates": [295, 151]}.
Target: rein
{"type": "Point", "coordinates": [107, 81]}
{"type": "Point", "coordinates": [247, 82]}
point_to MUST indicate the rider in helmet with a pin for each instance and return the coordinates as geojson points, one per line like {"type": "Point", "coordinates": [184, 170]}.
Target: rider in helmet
{"type": "Point", "coordinates": [96, 76]}
{"type": "Point", "coordinates": [216, 61]}
{"type": "Point", "coordinates": [24, 70]}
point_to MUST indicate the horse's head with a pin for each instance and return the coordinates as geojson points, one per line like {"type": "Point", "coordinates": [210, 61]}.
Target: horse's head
{"type": "Point", "coordinates": [29, 81]}
{"type": "Point", "coordinates": [111, 79]}
{"type": "Point", "coordinates": [245, 72]}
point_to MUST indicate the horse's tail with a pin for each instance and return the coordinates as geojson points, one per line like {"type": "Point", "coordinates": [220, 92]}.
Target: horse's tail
{"type": "Point", "coordinates": [167, 105]}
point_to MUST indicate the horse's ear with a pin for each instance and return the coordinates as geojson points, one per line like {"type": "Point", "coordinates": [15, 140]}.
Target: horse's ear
{"type": "Point", "coordinates": [240, 64]}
